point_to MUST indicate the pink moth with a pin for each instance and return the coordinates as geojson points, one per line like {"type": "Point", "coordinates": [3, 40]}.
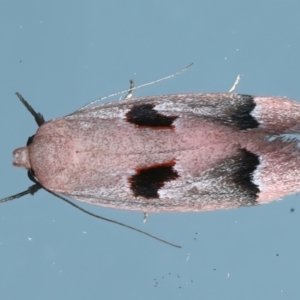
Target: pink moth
{"type": "Point", "coordinates": [170, 153]}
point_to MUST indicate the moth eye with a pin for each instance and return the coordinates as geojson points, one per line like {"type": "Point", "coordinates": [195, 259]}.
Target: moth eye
{"type": "Point", "coordinates": [146, 115]}
{"type": "Point", "coordinates": [32, 172]}
{"type": "Point", "coordinates": [147, 181]}
{"type": "Point", "coordinates": [30, 140]}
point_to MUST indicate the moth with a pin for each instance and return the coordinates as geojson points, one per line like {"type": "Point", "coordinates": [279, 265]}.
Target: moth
{"type": "Point", "coordinates": [169, 153]}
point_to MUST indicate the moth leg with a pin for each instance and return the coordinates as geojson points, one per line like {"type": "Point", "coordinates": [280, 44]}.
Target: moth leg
{"type": "Point", "coordinates": [130, 91]}
{"type": "Point", "coordinates": [146, 215]}
{"type": "Point", "coordinates": [235, 84]}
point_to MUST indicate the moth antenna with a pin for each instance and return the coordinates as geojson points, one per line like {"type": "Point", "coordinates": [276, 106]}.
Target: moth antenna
{"type": "Point", "coordinates": [39, 119]}
{"type": "Point", "coordinates": [114, 222]}
{"type": "Point", "coordinates": [31, 190]}
{"type": "Point", "coordinates": [135, 87]}
{"type": "Point", "coordinates": [237, 80]}
{"type": "Point", "coordinates": [37, 186]}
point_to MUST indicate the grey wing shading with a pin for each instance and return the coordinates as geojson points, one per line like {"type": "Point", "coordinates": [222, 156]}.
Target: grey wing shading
{"type": "Point", "coordinates": [227, 185]}
{"type": "Point", "coordinates": [224, 108]}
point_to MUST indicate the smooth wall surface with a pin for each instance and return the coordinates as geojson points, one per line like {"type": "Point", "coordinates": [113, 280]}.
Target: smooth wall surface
{"type": "Point", "coordinates": [63, 54]}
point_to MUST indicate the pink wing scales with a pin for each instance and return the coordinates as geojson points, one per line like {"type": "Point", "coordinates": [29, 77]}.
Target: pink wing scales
{"type": "Point", "coordinates": [171, 153]}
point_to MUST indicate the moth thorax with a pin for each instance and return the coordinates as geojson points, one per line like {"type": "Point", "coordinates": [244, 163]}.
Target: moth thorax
{"type": "Point", "coordinates": [21, 158]}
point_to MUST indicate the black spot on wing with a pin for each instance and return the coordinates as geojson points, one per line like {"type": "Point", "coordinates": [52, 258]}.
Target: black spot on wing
{"type": "Point", "coordinates": [247, 162]}
{"type": "Point", "coordinates": [240, 113]}
{"type": "Point", "coordinates": [234, 183]}
{"type": "Point", "coordinates": [147, 181]}
{"type": "Point", "coordinates": [146, 115]}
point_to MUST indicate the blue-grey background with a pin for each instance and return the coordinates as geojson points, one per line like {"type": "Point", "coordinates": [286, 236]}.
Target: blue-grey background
{"type": "Point", "coordinates": [63, 54]}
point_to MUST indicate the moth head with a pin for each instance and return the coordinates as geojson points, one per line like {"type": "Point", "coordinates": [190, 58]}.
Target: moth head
{"type": "Point", "coordinates": [21, 158]}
